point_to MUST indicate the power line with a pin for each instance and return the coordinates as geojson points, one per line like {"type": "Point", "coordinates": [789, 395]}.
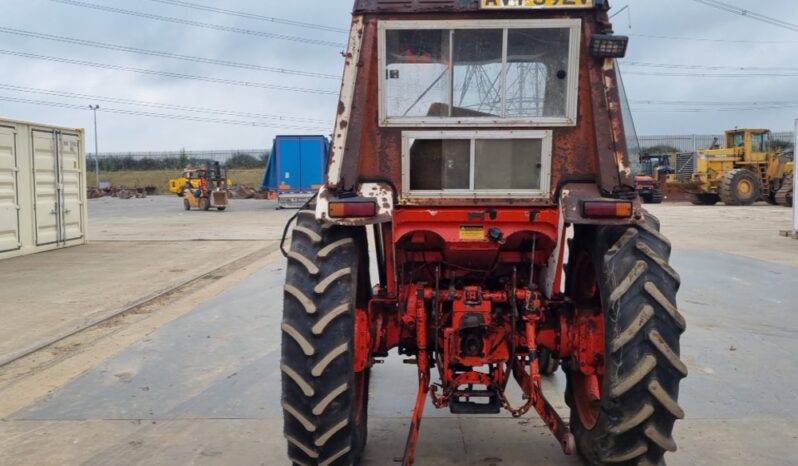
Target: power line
{"type": "Point", "coordinates": [711, 104]}
{"type": "Point", "coordinates": [183, 108]}
{"type": "Point", "coordinates": [749, 14]}
{"type": "Point", "coordinates": [231, 82]}
{"type": "Point", "coordinates": [714, 110]}
{"type": "Point", "coordinates": [701, 39]}
{"type": "Point", "coordinates": [167, 116]}
{"type": "Point", "coordinates": [706, 75]}
{"type": "Point", "coordinates": [120, 48]}
{"type": "Point", "coordinates": [706, 67]}
{"type": "Point", "coordinates": [243, 14]}
{"type": "Point", "coordinates": [187, 22]}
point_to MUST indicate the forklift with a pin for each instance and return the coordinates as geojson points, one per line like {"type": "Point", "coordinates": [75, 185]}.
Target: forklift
{"type": "Point", "coordinates": [211, 192]}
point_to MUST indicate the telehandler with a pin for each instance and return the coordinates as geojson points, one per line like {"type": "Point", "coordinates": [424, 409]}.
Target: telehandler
{"type": "Point", "coordinates": [472, 139]}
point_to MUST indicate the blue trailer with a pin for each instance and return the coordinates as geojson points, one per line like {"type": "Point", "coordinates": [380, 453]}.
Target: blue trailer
{"type": "Point", "coordinates": [297, 169]}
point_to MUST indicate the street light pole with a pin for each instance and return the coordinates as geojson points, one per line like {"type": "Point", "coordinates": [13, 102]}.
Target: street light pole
{"type": "Point", "coordinates": [96, 153]}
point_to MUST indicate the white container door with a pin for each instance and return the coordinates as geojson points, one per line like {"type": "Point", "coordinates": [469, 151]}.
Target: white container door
{"type": "Point", "coordinates": [45, 186]}
{"type": "Point", "coordinates": [9, 197]}
{"type": "Point", "coordinates": [71, 187]}
{"type": "Point", "coordinates": [58, 187]}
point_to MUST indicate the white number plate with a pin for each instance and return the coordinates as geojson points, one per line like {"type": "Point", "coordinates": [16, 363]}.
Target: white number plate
{"type": "Point", "coordinates": [525, 4]}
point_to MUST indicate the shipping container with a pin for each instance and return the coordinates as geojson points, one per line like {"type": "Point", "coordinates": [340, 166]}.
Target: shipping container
{"type": "Point", "coordinates": [42, 188]}
{"type": "Point", "coordinates": [297, 169]}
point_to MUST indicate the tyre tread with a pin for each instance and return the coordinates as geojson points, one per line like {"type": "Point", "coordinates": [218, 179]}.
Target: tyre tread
{"type": "Point", "coordinates": [318, 343]}
{"type": "Point", "coordinates": [643, 367]}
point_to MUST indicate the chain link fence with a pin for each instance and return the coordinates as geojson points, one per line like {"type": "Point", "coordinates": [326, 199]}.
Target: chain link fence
{"type": "Point", "coordinates": [177, 160]}
{"type": "Point", "coordinates": [694, 142]}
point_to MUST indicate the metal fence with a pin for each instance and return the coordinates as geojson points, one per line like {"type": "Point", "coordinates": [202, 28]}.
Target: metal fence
{"type": "Point", "coordinates": [694, 142]}
{"type": "Point", "coordinates": [220, 156]}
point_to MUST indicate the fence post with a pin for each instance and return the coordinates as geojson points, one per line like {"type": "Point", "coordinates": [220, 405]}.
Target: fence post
{"type": "Point", "coordinates": [794, 183]}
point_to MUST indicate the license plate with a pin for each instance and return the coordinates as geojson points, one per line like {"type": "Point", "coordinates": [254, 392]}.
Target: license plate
{"type": "Point", "coordinates": [526, 4]}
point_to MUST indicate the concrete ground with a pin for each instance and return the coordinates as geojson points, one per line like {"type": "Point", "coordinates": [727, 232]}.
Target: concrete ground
{"type": "Point", "coordinates": [195, 379]}
{"type": "Point", "coordinates": [139, 249]}
{"type": "Point", "coordinates": [751, 232]}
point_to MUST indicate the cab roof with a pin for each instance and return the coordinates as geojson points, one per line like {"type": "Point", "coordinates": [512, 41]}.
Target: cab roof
{"type": "Point", "coordinates": [751, 130]}
{"type": "Point", "coordinates": [418, 6]}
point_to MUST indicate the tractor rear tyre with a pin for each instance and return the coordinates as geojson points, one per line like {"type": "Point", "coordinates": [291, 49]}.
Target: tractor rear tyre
{"type": "Point", "coordinates": [740, 187]}
{"type": "Point", "coordinates": [221, 209]}
{"type": "Point", "coordinates": [657, 196]}
{"type": "Point", "coordinates": [325, 402]}
{"type": "Point", "coordinates": [705, 199]}
{"type": "Point", "coordinates": [186, 204]}
{"type": "Point", "coordinates": [205, 204]}
{"type": "Point", "coordinates": [625, 414]}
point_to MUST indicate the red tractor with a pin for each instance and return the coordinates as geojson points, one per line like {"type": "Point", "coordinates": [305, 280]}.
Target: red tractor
{"type": "Point", "coordinates": [473, 139]}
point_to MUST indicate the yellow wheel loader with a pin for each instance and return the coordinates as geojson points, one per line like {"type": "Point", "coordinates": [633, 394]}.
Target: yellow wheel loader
{"type": "Point", "coordinates": [748, 170]}
{"type": "Point", "coordinates": [781, 193]}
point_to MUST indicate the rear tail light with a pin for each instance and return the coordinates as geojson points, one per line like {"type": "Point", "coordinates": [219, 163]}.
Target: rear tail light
{"type": "Point", "coordinates": [608, 209]}
{"type": "Point", "coordinates": [352, 209]}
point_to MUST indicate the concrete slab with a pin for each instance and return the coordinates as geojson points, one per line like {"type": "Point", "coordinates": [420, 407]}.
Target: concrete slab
{"type": "Point", "coordinates": [162, 218]}
{"type": "Point", "coordinates": [751, 231]}
{"type": "Point", "coordinates": [139, 248]}
{"type": "Point", "coordinates": [205, 388]}
{"type": "Point", "coordinates": [50, 295]}
{"type": "Point", "coordinates": [155, 443]}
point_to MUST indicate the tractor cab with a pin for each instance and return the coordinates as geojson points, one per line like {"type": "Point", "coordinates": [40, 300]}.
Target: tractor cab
{"type": "Point", "coordinates": [752, 144]}
{"type": "Point", "coordinates": [657, 166]}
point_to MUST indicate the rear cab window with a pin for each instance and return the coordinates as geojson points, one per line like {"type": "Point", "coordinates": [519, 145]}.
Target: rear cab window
{"type": "Point", "coordinates": [492, 74]}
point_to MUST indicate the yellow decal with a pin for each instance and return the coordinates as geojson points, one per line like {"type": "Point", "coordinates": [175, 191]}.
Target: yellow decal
{"type": "Point", "coordinates": [472, 233]}
{"type": "Point", "coordinates": [519, 4]}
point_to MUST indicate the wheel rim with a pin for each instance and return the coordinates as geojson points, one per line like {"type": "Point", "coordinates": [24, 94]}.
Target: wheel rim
{"type": "Point", "coordinates": [588, 320]}
{"type": "Point", "coordinates": [745, 188]}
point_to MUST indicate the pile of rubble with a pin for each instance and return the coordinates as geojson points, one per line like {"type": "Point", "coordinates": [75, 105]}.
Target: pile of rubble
{"type": "Point", "coordinates": [243, 192]}
{"type": "Point", "coordinates": [122, 192]}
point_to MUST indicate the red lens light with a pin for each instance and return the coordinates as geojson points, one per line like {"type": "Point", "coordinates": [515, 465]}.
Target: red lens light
{"type": "Point", "coordinates": [608, 209]}
{"type": "Point", "coordinates": [352, 209]}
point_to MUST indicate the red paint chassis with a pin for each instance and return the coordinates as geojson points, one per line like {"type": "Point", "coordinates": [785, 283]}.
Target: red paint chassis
{"type": "Point", "coordinates": [478, 331]}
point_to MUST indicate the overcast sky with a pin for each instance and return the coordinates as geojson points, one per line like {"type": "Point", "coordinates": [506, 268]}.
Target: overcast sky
{"type": "Point", "coordinates": [776, 52]}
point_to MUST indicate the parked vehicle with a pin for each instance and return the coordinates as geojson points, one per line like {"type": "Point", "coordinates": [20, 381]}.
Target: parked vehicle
{"type": "Point", "coordinates": [191, 176]}
{"type": "Point", "coordinates": [296, 169]}
{"type": "Point", "coordinates": [471, 138]}
{"type": "Point", "coordinates": [210, 192]}
{"type": "Point", "coordinates": [748, 170]}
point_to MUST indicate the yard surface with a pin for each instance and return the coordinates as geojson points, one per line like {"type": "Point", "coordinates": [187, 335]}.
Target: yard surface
{"type": "Point", "coordinates": [193, 377]}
